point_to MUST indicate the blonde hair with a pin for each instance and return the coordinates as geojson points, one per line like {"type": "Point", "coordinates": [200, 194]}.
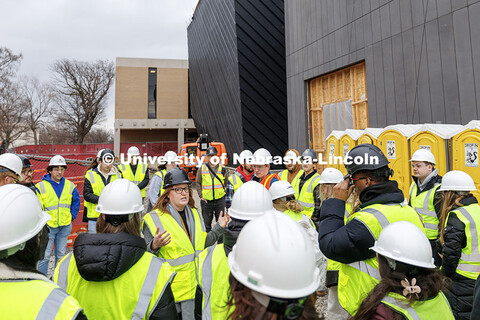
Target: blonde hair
{"type": "Point", "coordinates": [450, 198]}
{"type": "Point", "coordinates": [291, 205]}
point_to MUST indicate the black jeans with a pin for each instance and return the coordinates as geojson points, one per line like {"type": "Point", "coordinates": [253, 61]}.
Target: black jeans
{"type": "Point", "coordinates": [209, 209]}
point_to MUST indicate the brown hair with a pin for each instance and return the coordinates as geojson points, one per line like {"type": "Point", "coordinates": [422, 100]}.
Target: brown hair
{"type": "Point", "coordinates": [450, 198]}
{"type": "Point", "coordinates": [132, 226]}
{"type": "Point", "coordinates": [429, 280]}
{"type": "Point", "coordinates": [247, 307]}
{"type": "Point", "coordinates": [163, 200]}
{"type": "Point", "coordinates": [283, 206]}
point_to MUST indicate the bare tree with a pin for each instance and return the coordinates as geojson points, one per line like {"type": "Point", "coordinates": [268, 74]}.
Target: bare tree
{"type": "Point", "coordinates": [99, 135]}
{"type": "Point", "coordinates": [82, 89]}
{"type": "Point", "coordinates": [38, 103]}
{"type": "Point", "coordinates": [51, 134]}
{"type": "Point", "coordinates": [8, 63]}
{"type": "Point", "coordinates": [12, 113]}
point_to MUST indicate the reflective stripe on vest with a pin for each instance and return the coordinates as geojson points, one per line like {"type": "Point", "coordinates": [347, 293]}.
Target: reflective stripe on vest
{"type": "Point", "coordinates": [236, 181]}
{"type": "Point", "coordinates": [306, 197]}
{"type": "Point", "coordinates": [136, 178]}
{"type": "Point", "coordinates": [212, 188]}
{"type": "Point", "coordinates": [206, 283]}
{"type": "Point", "coordinates": [419, 310]}
{"type": "Point", "coordinates": [357, 279]}
{"type": "Point", "coordinates": [469, 263]}
{"type": "Point", "coordinates": [57, 208]}
{"type": "Point", "coordinates": [267, 180]}
{"type": "Point", "coordinates": [424, 206]}
{"type": "Point", "coordinates": [146, 282]}
{"type": "Point", "coordinates": [161, 174]}
{"type": "Point", "coordinates": [97, 186]}
{"type": "Point", "coordinates": [182, 252]}
{"type": "Point", "coordinates": [36, 299]}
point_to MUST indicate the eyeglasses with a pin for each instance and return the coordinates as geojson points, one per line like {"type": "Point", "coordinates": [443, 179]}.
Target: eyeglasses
{"type": "Point", "coordinates": [180, 190]}
{"type": "Point", "coordinates": [15, 179]}
{"type": "Point", "coordinates": [355, 180]}
{"type": "Point", "coordinates": [27, 172]}
{"type": "Point", "coordinates": [58, 169]}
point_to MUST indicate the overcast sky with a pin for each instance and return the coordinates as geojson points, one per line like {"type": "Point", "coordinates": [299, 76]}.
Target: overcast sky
{"type": "Point", "coordinates": [48, 30]}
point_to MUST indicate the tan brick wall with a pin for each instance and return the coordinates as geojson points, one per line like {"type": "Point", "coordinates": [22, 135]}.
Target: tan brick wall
{"type": "Point", "coordinates": [131, 93]}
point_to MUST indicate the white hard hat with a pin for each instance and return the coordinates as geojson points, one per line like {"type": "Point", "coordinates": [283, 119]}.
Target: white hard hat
{"type": "Point", "coordinates": [245, 155]}
{"type": "Point", "coordinates": [13, 163]}
{"type": "Point", "coordinates": [331, 175]}
{"type": "Point", "coordinates": [99, 153]}
{"type": "Point", "coordinates": [457, 181]}
{"type": "Point", "coordinates": [405, 242]}
{"type": "Point", "coordinates": [274, 256]}
{"type": "Point", "coordinates": [251, 200]}
{"type": "Point", "coordinates": [170, 156]}
{"type": "Point", "coordinates": [21, 216]}
{"type": "Point", "coordinates": [57, 160]}
{"type": "Point", "coordinates": [290, 155]}
{"type": "Point", "coordinates": [281, 189]}
{"type": "Point", "coordinates": [133, 151]}
{"type": "Point", "coordinates": [120, 197]}
{"type": "Point", "coordinates": [423, 155]}
{"type": "Point", "coordinates": [262, 156]}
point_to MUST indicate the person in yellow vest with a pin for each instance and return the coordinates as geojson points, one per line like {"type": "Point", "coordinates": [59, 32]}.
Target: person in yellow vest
{"type": "Point", "coordinates": [410, 285]}
{"type": "Point", "coordinates": [60, 199]}
{"type": "Point", "coordinates": [382, 203]}
{"type": "Point", "coordinates": [111, 273]}
{"type": "Point", "coordinates": [308, 183]}
{"type": "Point", "coordinates": [460, 226]}
{"type": "Point", "coordinates": [293, 169]}
{"type": "Point", "coordinates": [135, 171]}
{"type": "Point", "coordinates": [424, 195]}
{"type": "Point", "coordinates": [100, 173]}
{"type": "Point", "coordinates": [10, 169]}
{"type": "Point", "coordinates": [243, 173]}
{"type": "Point", "coordinates": [175, 231]}
{"type": "Point", "coordinates": [211, 182]}
{"type": "Point", "coordinates": [250, 201]}
{"type": "Point", "coordinates": [261, 166]}
{"type": "Point", "coordinates": [26, 293]}
{"type": "Point", "coordinates": [273, 271]}
{"type": "Point", "coordinates": [156, 184]}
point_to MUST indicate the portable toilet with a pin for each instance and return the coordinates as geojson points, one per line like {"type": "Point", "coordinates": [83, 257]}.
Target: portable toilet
{"type": "Point", "coordinates": [346, 142]}
{"type": "Point", "coordinates": [437, 139]}
{"type": "Point", "coordinates": [393, 141]}
{"type": "Point", "coordinates": [333, 148]}
{"type": "Point", "coordinates": [370, 135]}
{"type": "Point", "coordinates": [465, 152]}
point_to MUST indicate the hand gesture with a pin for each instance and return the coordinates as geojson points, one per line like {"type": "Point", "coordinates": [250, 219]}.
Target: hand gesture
{"type": "Point", "coordinates": [342, 191]}
{"type": "Point", "coordinates": [160, 239]}
{"type": "Point", "coordinates": [223, 219]}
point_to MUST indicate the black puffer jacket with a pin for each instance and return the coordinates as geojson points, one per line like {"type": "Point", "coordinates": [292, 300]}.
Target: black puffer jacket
{"type": "Point", "coordinates": [351, 242]}
{"type": "Point", "coordinates": [105, 257]}
{"type": "Point", "coordinates": [460, 293]}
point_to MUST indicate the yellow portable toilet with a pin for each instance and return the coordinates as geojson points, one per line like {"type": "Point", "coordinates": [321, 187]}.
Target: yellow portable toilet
{"type": "Point", "coordinates": [393, 141]}
{"type": "Point", "coordinates": [370, 135]}
{"type": "Point", "coordinates": [333, 148]}
{"type": "Point", "coordinates": [437, 139]}
{"type": "Point", "coordinates": [346, 142]}
{"type": "Point", "coordinates": [465, 152]}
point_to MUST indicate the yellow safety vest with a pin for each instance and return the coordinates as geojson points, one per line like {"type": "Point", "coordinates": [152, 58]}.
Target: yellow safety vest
{"type": "Point", "coordinates": [133, 295]}
{"type": "Point", "coordinates": [182, 252]}
{"type": "Point", "coordinates": [437, 307]}
{"type": "Point", "coordinates": [97, 186]}
{"type": "Point", "coordinates": [469, 263]}
{"type": "Point", "coordinates": [127, 173]}
{"type": "Point", "coordinates": [423, 204]}
{"type": "Point", "coordinates": [213, 274]}
{"type": "Point", "coordinates": [58, 208]}
{"type": "Point", "coordinates": [36, 299]}
{"type": "Point", "coordinates": [236, 181]}
{"type": "Point", "coordinates": [332, 264]}
{"type": "Point", "coordinates": [305, 196]}
{"type": "Point", "coordinates": [212, 188]}
{"type": "Point", "coordinates": [161, 174]}
{"type": "Point", "coordinates": [296, 180]}
{"type": "Point", "coordinates": [298, 216]}
{"type": "Point", "coordinates": [357, 279]}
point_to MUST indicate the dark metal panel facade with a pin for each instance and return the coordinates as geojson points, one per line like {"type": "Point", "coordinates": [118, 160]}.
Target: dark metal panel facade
{"type": "Point", "coordinates": [238, 73]}
{"type": "Point", "coordinates": [422, 57]}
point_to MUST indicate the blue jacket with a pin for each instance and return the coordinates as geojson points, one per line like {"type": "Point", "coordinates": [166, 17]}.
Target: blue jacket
{"type": "Point", "coordinates": [58, 187]}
